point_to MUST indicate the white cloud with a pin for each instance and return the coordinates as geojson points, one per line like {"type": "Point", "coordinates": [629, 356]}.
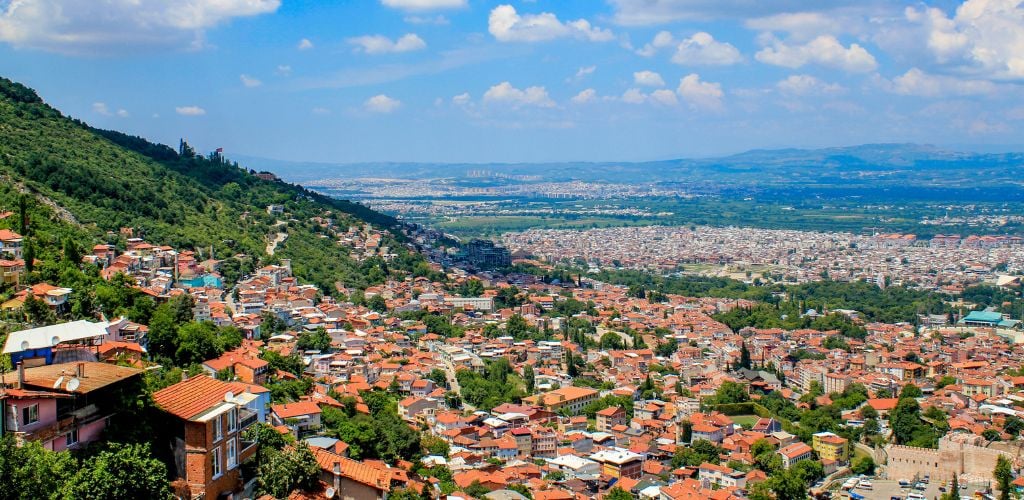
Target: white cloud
{"type": "Point", "coordinates": [985, 37]}
{"type": "Point", "coordinates": [380, 44]}
{"type": "Point", "coordinates": [701, 48]}
{"type": "Point", "coordinates": [698, 94]}
{"type": "Point", "coordinates": [504, 92]}
{"type": "Point", "coordinates": [249, 81]}
{"type": "Point", "coordinates": [806, 85]}
{"type": "Point", "coordinates": [101, 108]}
{"type": "Point", "coordinates": [423, 4]}
{"type": "Point", "coordinates": [381, 103]}
{"type": "Point", "coordinates": [918, 83]}
{"type": "Point", "coordinates": [648, 79]}
{"type": "Point", "coordinates": [462, 99]}
{"type": "Point", "coordinates": [437, 20]}
{"type": "Point", "coordinates": [305, 44]}
{"type": "Point", "coordinates": [584, 72]}
{"type": "Point", "coordinates": [585, 96]}
{"type": "Point", "coordinates": [824, 50]}
{"type": "Point", "coordinates": [118, 25]}
{"type": "Point", "coordinates": [190, 110]}
{"type": "Point", "coordinates": [320, 111]}
{"type": "Point", "coordinates": [650, 12]}
{"type": "Point", "coordinates": [283, 70]}
{"type": "Point", "coordinates": [123, 113]}
{"type": "Point", "coordinates": [663, 97]}
{"type": "Point", "coordinates": [801, 25]}
{"type": "Point", "coordinates": [634, 96]}
{"type": "Point", "coordinates": [508, 26]}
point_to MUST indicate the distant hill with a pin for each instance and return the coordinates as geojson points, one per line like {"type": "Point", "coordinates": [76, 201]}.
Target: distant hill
{"type": "Point", "coordinates": [865, 166]}
{"type": "Point", "coordinates": [88, 184]}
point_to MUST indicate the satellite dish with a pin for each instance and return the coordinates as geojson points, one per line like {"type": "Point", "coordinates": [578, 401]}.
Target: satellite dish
{"type": "Point", "coordinates": [229, 397]}
{"type": "Point", "coordinates": [55, 340]}
{"type": "Point", "coordinates": [329, 492]}
{"type": "Point", "coordinates": [73, 384]}
{"type": "Point", "coordinates": [60, 380]}
{"type": "Point", "coordinates": [24, 345]}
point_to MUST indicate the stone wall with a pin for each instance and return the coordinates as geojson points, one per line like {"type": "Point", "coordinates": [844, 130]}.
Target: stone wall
{"type": "Point", "coordinates": [956, 455]}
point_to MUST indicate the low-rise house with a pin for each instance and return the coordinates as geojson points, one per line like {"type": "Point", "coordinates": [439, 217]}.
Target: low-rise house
{"type": "Point", "coordinates": [65, 405]}
{"type": "Point", "coordinates": [610, 417]}
{"type": "Point", "coordinates": [207, 422]}
{"type": "Point", "coordinates": [619, 462]}
{"type": "Point", "coordinates": [794, 453]}
{"type": "Point", "coordinates": [303, 417]}
{"type": "Point", "coordinates": [829, 446]}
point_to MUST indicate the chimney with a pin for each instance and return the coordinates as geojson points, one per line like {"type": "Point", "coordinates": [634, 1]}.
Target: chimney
{"type": "Point", "coordinates": [184, 376]}
{"type": "Point", "coordinates": [21, 375]}
{"type": "Point", "coordinates": [337, 477]}
{"type": "Point", "coordinates": [80, 370]}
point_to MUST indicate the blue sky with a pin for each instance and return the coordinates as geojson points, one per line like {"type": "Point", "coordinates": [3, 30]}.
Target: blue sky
{"type": "Point", "coordinates": [543, 80]}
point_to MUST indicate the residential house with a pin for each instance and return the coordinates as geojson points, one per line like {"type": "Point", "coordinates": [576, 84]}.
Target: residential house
{"type": "Point", "coordinates": [65, 405]}
{"type": "Point", "coordinates": [207, 418]}
{"type": "Point", "coordinates": [794, 453]}
{"type": "Point", "coordinates": [303, 417]}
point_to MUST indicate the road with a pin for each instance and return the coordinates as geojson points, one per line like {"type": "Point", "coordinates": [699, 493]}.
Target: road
{"type": "Point", "coordinates": [884, 489]}
{"type": "Point", "coordinates": [278, 239]}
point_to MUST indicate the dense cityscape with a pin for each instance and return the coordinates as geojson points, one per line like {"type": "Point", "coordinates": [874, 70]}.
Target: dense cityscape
{"type": "Point", "coordinates": [511, 250]}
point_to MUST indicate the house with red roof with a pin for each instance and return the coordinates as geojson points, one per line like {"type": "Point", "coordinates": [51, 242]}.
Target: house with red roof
{"type": "Point", "coordinates": [207, 418]}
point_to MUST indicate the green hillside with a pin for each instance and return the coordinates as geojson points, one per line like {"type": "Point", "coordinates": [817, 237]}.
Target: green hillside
{"type": "Point", "coordinates": [84, 185]}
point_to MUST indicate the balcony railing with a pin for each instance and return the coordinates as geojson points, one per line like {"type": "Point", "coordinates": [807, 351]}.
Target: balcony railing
{"type": "Point", "coordinates": [248, 417]}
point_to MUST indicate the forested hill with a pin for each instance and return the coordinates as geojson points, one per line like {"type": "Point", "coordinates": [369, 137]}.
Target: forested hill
{"type": "Point", "coordinates": [86, 184]}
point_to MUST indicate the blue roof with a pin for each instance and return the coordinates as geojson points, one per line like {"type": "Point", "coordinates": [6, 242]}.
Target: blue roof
{"type": "Point", "coordinates": [984, 316]}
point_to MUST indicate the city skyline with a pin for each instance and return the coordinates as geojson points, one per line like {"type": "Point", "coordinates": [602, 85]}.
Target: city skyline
{"type": "Point", "coordinates": [480, 81]}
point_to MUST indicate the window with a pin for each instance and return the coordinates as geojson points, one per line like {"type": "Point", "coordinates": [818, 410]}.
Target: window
{"type": "Point", "coordinates": [218, 428]}
{"type": "Point", "coordinates": [217, 471]}
{"type": "Point", "coordinates": [232, 419]}
{"type": "Point", "coordinates": [71, 438]}
{"type": "Point", "coordinates": [30, 414]}
{"type": "Point", "coordinates": [232, 453]}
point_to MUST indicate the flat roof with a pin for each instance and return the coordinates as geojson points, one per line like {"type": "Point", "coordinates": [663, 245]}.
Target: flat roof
{"type": "Point", "coordinates": [49, 336]}
{"type": "Point", "coordinates": [95, 376]}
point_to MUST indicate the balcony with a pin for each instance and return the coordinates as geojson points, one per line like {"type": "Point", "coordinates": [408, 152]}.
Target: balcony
{"type": "Point", "coordinates": [247, 418]}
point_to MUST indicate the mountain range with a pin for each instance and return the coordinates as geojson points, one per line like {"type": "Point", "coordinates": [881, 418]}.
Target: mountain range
{"type": "Point", "coordinates": [863, 166]}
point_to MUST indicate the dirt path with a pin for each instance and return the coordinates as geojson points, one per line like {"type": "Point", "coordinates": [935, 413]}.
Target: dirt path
{"type": "Point", "coordinates": [278, 239]}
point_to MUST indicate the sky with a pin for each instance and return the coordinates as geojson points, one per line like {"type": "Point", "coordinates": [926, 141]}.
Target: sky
{"type": "Point", "coordinates": [525, 81]}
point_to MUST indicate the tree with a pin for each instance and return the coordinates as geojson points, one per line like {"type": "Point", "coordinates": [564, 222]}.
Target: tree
{"type": "Point", "coordinates": [864, 465]}
{"type": "Point", "coordinates": [990, 434]}
{"type": "Point", "coordinates": [731, 392]}
{"type": "Point", "coordinates": [30, 471]}
{"type": "Point", "coordinates": [1003, 474]}
{"type": "Point", "coordinates": [120, 471]}
{"type": "Point", "coordinates": [911, 391]}
{"type": "Point", "coordinates": [617, 493]}
{"type": "Point", "coordinates": [477, 490]}
{"type": "Point", "coordinates": [744, 356]}
{"type": "Point", "coordinates": [197, 342]}
{"type": "Point", "coordinates": [668, 348]}
{"type": "Point", "coordinates": [317, 340]}
{"type": "Point", "coordinates": [377, 303]}
{"type": "Point", "coordinates": [28, 254]}
{"type": "Point", "coordinates": [281, 471]}
{"type": "Point", "coordinates": [611, 340]}
{"type": "Point", "coordinates": [530, 378]}
{"type": "Point", "coordinates": [954, 489]}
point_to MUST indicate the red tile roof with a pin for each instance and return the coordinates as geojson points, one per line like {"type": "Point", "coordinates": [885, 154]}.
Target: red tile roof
{"type": "Point", "coordinates": [291, 410]}
{"type": "Point", "coordinates": [195, 395]}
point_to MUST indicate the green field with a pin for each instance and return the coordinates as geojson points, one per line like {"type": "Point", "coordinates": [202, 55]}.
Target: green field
{"type": "Point", "coordinates": [747, 421]}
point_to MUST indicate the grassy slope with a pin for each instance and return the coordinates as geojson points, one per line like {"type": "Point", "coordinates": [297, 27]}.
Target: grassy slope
{"type": "Point", "coordinates": [109, 180]}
